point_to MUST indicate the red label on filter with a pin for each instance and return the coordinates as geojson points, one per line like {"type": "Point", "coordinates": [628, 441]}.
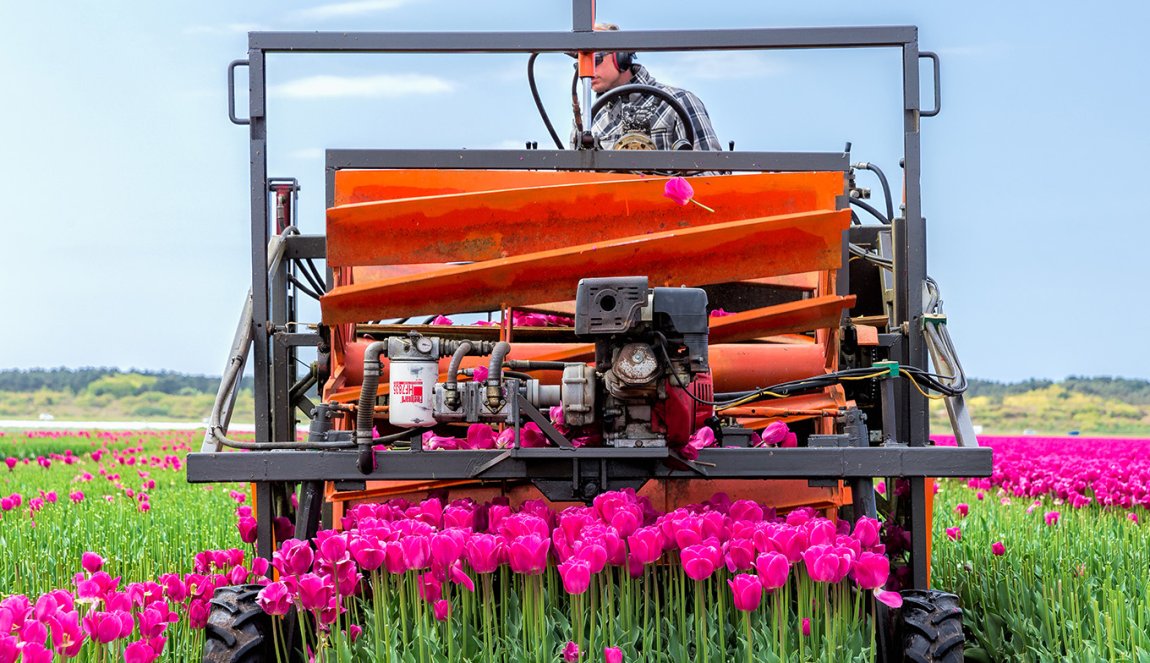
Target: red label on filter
{"type": "Point", "coordinates": [408, 392]}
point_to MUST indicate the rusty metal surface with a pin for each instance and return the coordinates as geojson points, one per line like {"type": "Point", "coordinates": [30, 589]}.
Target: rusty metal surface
{"type": "Point", "coordinates": [695, 256]}
{"type": "Point", "coordinates": [488, 225]}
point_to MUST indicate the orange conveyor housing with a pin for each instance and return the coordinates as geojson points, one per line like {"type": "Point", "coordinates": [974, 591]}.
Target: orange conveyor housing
{"type": "Point", "coordinates": [416, 243]}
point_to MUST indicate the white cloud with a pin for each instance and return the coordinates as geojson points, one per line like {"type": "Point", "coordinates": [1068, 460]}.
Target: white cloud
{"type": "Point", "coordinates": [382, 85]}
{"type": "Point", "coordinates": [226, 29]}
{"type": "Point", "coordinates": [713, 65]}
{"type": "Point", "coordinates": [345, 9]}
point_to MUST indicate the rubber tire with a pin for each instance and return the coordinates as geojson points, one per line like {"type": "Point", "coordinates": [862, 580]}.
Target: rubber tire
{"type": "Point", "coordinates": [931, 625]}
{"type": "Point", "coordinates": [238, 630]}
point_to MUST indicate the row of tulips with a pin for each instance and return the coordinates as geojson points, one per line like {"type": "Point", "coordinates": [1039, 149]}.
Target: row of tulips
{"type": "Point", "coordinates": [707, 582]}
{"type": "Point", "coordinates": [1046, 576]}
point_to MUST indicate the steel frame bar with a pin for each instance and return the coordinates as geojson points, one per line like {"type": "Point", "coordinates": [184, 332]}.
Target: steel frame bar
{"type": "Point", "coordinates": [798, 463]}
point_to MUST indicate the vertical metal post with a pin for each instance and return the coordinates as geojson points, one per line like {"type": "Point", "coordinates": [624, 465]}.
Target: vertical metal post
{"type": "Point", "coordinates": [583, 15]}
{"type": "Point", "coordinates": [914, 238]}
{"type": "Point", "coordinates": [259, 233]}
{"type": "Point", "coordinates": [265, 512]}
{"type": "Point", "coordinates": [919, 554]}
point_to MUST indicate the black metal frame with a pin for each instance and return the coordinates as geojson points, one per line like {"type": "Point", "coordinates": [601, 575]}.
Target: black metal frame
{"type": "Point", "coordinates": [275, 340]}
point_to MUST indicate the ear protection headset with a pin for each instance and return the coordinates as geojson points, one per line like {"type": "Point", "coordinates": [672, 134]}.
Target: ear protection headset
{"type": "Point", "coordinates": [623, 61]}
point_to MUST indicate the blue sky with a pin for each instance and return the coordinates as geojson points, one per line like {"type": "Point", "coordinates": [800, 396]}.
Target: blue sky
{"type": "Point", "coordinates": [123, 187]}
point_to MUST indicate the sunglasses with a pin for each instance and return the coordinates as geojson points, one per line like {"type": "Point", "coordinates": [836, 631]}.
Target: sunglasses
{"type": "Point", "coordinates": [599, 57]}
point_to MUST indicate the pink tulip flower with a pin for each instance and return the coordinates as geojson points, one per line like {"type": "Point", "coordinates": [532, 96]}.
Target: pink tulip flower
{"type": "Point", "coordinates": [315, 592]}
{"type": "Point", "coordinates": [612, 655]}
{"type": "Point", "coordinates": [275, 599]}
{"type": "Point", "coordinates": [806, 627]}
{"type": "Point", "coordinates": [91, 562]}
{"type": "Point", "coordinates": [699, 561]}
{"type": "Point", "coordinates": [294, 558]}
{"type": "Point", "coordinates": [646, 545]}
{"type": "Point", "coordinates": [773, 569]}
{"type": "Point", "coordinates": [484, 552]}
{"type": "Point", "coordinates": [998, 549]}
{"type": "Point", "coordinates": [870, 571]}
{"type": "Point", "coordinates": [954, 533]}
{"type": "Point", "coordinates": [247, 527]}
{"type": "Point", "coordinates": [528, 554]}
{"type": "Point", "coordinates": [576, 576]}
{"type": "Point", "coordinates": [571, 652]}
{"type": "Point", "coordinates": [962, 509]}
{"type": "Point", "coordinates": [442, 610]}
{"type": "Point", "coordinates": [1052, 517]}
{"type": "Point", "coordinates": [747, 592]}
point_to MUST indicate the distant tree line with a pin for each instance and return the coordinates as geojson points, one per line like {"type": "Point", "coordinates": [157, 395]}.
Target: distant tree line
{"type": "Point", "coordinates": [1126, 390]}
{"type": "Point", "coordinates": [78, 380]}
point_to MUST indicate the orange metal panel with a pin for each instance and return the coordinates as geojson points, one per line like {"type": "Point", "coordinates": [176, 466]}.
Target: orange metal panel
{"type": "Point", "coordinates": [496, 224]}
{"type": "Point", "coordinates": [709, 254]}
{"type": "Point", "coordinates": [803, 315]}
{"type": "Point", "coordinates": [362, 186]}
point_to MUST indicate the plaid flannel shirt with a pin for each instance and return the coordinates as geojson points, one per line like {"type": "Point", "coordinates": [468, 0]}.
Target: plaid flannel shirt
{"type": "Point", "coordinates": [666, 128]}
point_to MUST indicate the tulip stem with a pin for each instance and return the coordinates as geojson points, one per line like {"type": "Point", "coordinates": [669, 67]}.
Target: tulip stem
{"type": "Point", "coordinates": [747, 632]}
{"type": "Point", "coordinates": [703, 206]}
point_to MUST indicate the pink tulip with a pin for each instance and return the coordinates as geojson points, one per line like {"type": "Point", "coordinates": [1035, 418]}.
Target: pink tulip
{"type": "Point", "coordinates": [774, 434]}
{"type": "Point", "coordinates": [430, 588]}
{"type": "Point", "coordinates": [739, 554]}
{"type": "Point", "coordinates": [483, 552]}
{"type": "Point", "coordinates": [416, 551]}
{"type": "Point", "coordinates": [275, 599]}
{"type": "Point", "coordinates": [446, 547]}
{"type": "Point", "coordinates": [528, 554]}
{"type": "Point", "coordinates": [612, 655]}
{"type": "Point", "coordinates": [806, 627]}
{"type": "Point", "coordinates": [1132, 517]}
{"type": "Point", "coordinates": [646, 545]}
{"type": "Point", "coordinates": [870, 571]}
{"type": "Point", "coordinates": [571, 652]}
{"type": "Point", "coordinates": [91, 562]}
{"type": "Point", "coordinates": [576, 576]}
{"type": "Point", "coordinates": [458, 577]}
{"type": "Point", "coordinates": [747, 592]}
{"type": "Point", "coordinates": [442, 609]}
{"type": "Point", "coordinates": [315, 592]}
{"type": "Point", "coordinates": [867, 532]}
{"type": "Point", "coordinates": [826, 563]}
{"type": "Point", "coordinates": [998, 549]}
{"type": "Point", "coordinates": [678, 190]}
{"type": "Point", "coordinates": [954, 533]}
{"type": "Point", "coordinates": [773, 570]}
{"type": "Point", "coordinates": [962, 509]}
{"type": "Point", "coordinates": [34, 652]}
{"type": "Point", "coordinates": [699, 561]}
{"type": "Point", "coordinates": [293, 558]}
{"type": "Point", "coordinates": [366, 552]}
{"type": "Point", "coordinates": [1052, 517]}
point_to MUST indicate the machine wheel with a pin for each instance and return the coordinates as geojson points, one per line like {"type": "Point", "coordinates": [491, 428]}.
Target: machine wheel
{"type": "Point", "coordinates": [238, 630]}
{"type": "Point", "coordinates": [931, 626]}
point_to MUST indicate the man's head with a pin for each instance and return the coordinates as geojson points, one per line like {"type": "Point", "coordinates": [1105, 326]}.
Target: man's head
{"type": "Point", "coordinates": [611, 69]}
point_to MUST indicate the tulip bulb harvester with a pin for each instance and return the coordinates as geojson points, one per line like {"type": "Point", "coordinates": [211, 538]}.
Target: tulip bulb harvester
{"type": "Point", "coordinates": [676, 323]}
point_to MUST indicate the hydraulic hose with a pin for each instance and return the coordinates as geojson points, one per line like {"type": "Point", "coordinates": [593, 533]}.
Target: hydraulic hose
{"type": "Point", "coordinates": [885, 185]}
{"type": "Point", "coordinates": [450, 387]}
{"type": "Point", "coordinates": [495, 375]}
{"type": "Point", "coordinates": [365, 412]}
{"type": "Point", "coordinates": [871, 210]}
{"type": "Point", "coordinates": [539, 102]}
{"type": "Point", "coordinates": [533, 365]}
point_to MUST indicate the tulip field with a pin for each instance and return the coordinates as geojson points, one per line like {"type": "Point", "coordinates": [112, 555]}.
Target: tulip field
{"type": "Point", "coordinates": [109, 555]}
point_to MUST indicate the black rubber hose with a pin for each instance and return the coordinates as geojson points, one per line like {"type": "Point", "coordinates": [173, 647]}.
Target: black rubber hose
{"type": "Point", "coordinates": [539, 102]}
{"type": "Point", "coordinates": [885, 186]}
{"type": "Point", "coordinates": [632, 88]}
{"type": "Point", "coordinates": [365, 411]}
{"type": "Point", "coordinates": [531, 365]}
{"type": "Point", "coordinates": [873, 212]}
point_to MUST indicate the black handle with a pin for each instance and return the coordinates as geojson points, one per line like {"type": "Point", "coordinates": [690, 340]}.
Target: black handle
{"type": "Point", "coordinates": [232, 92]}
{"type": "Point", "coordinates": [937, 85]}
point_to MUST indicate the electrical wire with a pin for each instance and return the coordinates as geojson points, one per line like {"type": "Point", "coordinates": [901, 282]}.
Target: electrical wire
{"type": "Point", "coordinates": [871, 210]}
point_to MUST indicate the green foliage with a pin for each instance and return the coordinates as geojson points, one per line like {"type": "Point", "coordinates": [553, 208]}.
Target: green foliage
{"type": "Point", "coordinates": [1073, 591]}
{"type": "Point", "coordinates": [1099, 406]}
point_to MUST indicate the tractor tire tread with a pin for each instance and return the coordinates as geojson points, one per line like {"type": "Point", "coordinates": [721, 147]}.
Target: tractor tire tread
{"type": "Point", "coordinates": [237, 627]}
{"type": "Point", "coordinates": [932, 628]}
